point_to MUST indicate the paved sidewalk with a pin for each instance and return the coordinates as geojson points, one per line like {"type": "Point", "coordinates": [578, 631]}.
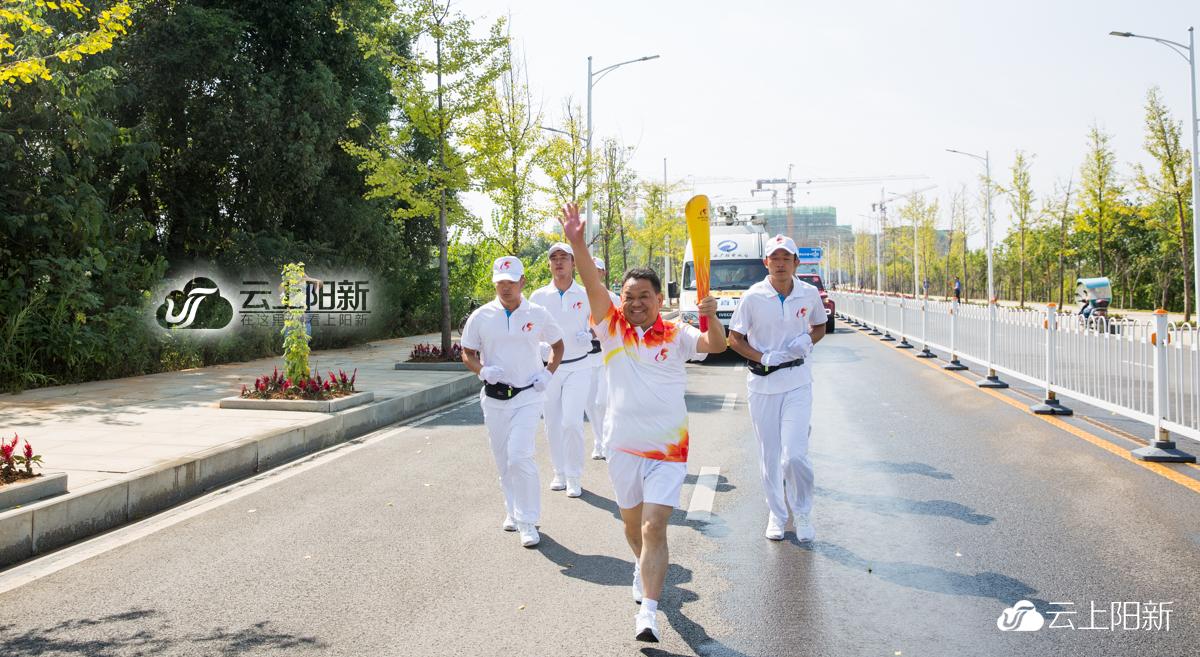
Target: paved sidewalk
{"type": "Point", "coordinates": [100, 431]}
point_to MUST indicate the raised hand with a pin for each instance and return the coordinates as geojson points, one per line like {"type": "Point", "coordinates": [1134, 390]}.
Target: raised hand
{"type": "Point", "coordinates": [573, 226]}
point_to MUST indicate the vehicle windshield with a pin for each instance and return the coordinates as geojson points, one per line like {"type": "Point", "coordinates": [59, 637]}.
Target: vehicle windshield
{"type": "Point", "coordinates": [727, 274]}
{"type": "Point", "coordinates": [812, 279]}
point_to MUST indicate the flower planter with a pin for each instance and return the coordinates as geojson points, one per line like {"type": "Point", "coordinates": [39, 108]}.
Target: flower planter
{"type": "Point", "coordinates": [24, 491]}
{"type": "Point", "coordinates": [433, 366]}
{"type": "Point", "coordinates": [308, 405]}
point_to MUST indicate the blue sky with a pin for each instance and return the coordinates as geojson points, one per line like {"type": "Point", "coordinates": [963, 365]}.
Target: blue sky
{"type": "Point", "coordinates": [852, 89]}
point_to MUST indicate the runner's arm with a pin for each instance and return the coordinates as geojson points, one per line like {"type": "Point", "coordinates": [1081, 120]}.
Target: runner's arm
{"type": "Point", "coordinates": [739, 343]}
{"type": "Point", "coordinates": [598, 297]}
{"type": "Point", "coordinates": [470, 358]}
{"type": "Point", "coordinates": [556, 352]}
{"type": "Point", "coordinates": [713, 341]}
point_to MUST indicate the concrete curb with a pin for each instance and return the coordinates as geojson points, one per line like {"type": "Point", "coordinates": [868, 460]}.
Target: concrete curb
{"type": "Point", "coordinates": [432, 367]}
{"type": "Point", "coordinates": [31, 490]}
{"type": "Point", "coordinates": [49, 524]}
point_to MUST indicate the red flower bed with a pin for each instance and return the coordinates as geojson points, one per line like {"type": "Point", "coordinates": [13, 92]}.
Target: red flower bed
{"type": "Point", "coordinates": [277, 386]}
{"type": "Point", "coordinates": [428, 353]}
{"type": "Point", "coordinates": [14, 466]}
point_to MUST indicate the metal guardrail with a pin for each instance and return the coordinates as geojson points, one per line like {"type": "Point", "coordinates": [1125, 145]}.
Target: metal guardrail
{"type": "Point", "coordinates": [1147, 371]}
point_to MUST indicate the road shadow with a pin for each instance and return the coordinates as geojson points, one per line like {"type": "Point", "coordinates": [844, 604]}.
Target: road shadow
{"type": "Point", "coordinates": [604, 570]}
{"type": "Point", "coordinates": [931, 579]}
{"type": "Point", "coordinates": [891, 506]}
{"type": "Point", "coordinates": [704, 403]}
{"type": "Point", "coordinates": [714, 528]}
{"type": "Point", "coordinates": [888, 467]}
{"type": "Point", "coordinates": [141, 632]}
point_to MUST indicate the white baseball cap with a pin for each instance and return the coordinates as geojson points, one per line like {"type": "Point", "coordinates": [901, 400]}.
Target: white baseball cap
{"type": "Point", "coordinates": [781, 242]}
{"type": "Point", "coordinates": [599, 264]}
{"type": "Point", "coordinates": [508, 268]}
{"type": "Point", "coordinates": [561, 246]}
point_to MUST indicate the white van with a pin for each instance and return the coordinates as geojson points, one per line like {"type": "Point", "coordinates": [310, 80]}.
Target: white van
{"type": "Point", "coordinates": [736, 263]}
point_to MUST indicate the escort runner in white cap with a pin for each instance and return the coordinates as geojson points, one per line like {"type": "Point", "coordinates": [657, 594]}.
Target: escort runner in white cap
{"type": "Point", "coordinates": [646, 427]}
{"type": "Point", "coordinates": [567, 394]}
{"type": "Point", "coordinates": [775, 327]}
{"type": "Point", "coordinates": [501, 344]}
{"type": "Point", "coordinates": [598, 395]}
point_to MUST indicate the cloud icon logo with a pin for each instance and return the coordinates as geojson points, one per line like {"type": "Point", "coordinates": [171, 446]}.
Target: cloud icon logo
{"type": "Point", "coordinates": [199, 305]}
{"type": "Point", "coordinates": [1021, 617]}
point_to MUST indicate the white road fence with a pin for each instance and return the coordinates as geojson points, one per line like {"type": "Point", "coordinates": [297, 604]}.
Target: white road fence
{"type": "Point", "coordinates": [1145, 370]}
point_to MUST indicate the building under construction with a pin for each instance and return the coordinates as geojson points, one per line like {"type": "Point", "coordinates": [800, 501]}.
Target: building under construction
{"type": "Point", "coordinates": [807, 225]}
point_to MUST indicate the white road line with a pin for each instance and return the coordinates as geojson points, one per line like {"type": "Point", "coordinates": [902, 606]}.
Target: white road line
{"type": "Point", "coordinates": [730, 401]}
{"type": "Point", "coordinates": [67, 557]}
{"type": "Point", "coordinates": [704, 494]}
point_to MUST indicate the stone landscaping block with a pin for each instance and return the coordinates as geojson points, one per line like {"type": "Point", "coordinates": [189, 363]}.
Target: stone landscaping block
{"type": "Point", "coordinates": [16, 536]}
{"type": "Point", "coordinates": [311, 406]}
{"type": "Point", "coordinates": [32, 490]}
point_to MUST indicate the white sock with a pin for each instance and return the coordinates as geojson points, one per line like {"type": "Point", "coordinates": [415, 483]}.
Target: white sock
{"type": "Point", "coordinates": [649, 605]}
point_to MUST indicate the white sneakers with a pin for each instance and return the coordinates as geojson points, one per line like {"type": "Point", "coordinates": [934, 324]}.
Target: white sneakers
{"type": "Point", "coordinates": [775, 528]}
{"type": "Point", "coordinates": [558, 483]}
{"type": "Point", "coordinates": [636, 589]}
{"type": "Point", "coordinates": [529, 534]}
{"type": "Point", "coordinates": [646, 626]}
{"type": "Point", "coordinates": [805, 532]}
{"type": "Point", "coordinates": [509, 525]}
{"type": "Point", "coordinates": [574, 489]}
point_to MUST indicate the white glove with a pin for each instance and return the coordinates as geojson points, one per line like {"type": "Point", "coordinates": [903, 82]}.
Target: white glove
{"type": "Point", "coordinates": [801, 346]}
{"type": "Point", "coordinates": [773, 358]}
{"type": "Point", "coordinates": [541, 380]}
{"type": "Point", "coordinates": [491, 374]}
{"type": "Point", "coordinates": [584, 338]}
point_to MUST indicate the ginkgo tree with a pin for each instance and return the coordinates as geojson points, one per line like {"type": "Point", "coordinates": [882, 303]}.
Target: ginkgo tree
{"type": "Point", "coordinates": [32, 36]}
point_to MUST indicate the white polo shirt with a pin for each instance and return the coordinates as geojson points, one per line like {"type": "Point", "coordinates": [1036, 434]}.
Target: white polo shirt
{"type": "Point", "coordinates": [510, 342]}
{"type": "Point", "coordinates": [571, 311]}
{"type": "Point", "coordinates": [770, 323]}
{"type": "Point", "coordinates": [647, 415]}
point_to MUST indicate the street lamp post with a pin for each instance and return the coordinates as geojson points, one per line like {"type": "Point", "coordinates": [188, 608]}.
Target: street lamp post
{"type": "Point", "coordinates": [991, 380]}
{"type": "Point", "coordinates": [593, 78]}
{"type": "Point", "coordinates": [1190, 56]}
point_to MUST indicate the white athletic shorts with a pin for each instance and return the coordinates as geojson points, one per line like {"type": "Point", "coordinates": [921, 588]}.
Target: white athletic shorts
{"type": "Point", "coordinates": [636, 479]}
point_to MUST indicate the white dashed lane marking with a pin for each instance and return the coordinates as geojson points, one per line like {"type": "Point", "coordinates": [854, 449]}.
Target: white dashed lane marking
{"type": "Point", "coordinates": [704, 494]}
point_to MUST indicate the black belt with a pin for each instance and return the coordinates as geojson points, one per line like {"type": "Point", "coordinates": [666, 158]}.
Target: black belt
{"type": "Point", "coordinates": [573, 360]}
{"type": "Point", "coordinates": [763, 370]}
{"type": "Point", "coordinates": [595, 347]}
{"type": "Point", "coordinates": [502, 391]}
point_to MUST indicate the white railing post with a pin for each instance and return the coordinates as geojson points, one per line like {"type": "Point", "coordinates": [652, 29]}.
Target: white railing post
{"type": "Point", "coordinates": [903, 344]}
{"type": "Point", "coordinates": [925, 352]}
{"type": "Point", "coordinates": [874, 318]}
{"type": "Point", "coordinates": [887, 336]}
{"type": "Point", "coordinates": [954, 365]}
{"type": "Point", "coordinates": [1161, 449]}
{"type": "Point", "coordinates": [1050, 404]}
{"type": "Point", "coordinates": [991, 380]}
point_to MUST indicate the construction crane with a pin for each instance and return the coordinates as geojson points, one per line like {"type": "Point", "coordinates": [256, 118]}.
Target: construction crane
{"type": "Point", "coordinates": [881, 208]}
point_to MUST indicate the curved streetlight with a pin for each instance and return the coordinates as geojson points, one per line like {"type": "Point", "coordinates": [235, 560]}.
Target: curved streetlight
{"type": "Point", "coordinates": [991, 380]}
{"type": "Point", "coordinates": [593, 78]}
{"type": "Point", "coordinates": [1188, 53]}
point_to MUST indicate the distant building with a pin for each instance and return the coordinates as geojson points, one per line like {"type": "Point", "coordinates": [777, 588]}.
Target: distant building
{"type": "Point", "coordinates": [807, 225]}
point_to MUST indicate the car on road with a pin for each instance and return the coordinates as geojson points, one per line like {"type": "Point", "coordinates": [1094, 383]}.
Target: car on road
{"type": "Point", "coordinates": [815, 281]}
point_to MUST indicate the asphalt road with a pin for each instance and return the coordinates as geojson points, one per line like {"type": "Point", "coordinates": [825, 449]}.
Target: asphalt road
{"type": "Point", "coordinates": [938, 506]}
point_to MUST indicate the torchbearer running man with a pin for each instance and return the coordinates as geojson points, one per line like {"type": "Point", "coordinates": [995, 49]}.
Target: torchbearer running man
{"type": "Point", "coordinates": [501, 343]}
{"type": "Point", "coordinates": [567, 394]}
{"type": "Point", "coordinates": [646, 426]}
{"type": "Point", "coordinates": [775, 327]}
{"type": "Point", "coordinates": [598, 395]}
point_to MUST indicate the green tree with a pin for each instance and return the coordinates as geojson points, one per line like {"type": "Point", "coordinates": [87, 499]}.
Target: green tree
{"type": "Point", "coordinates": [1100, 192]}
{"type": "Point", "coordinates": [442, 81]}
{"type": "Point", "coordinates": [1021, 199]}
{"type": "Point", "coordinates": [506, 140]}
{"type": "Point", "coordinates": [1171, 184]}
{"type": "Point", "coordinates": [565, 160]}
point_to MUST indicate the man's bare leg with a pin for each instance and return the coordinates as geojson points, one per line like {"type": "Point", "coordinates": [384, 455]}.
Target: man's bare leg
{"type": "Point", "coordinates": [654, 555]}
{"type": "Point", "coordinates": [633, 529]}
